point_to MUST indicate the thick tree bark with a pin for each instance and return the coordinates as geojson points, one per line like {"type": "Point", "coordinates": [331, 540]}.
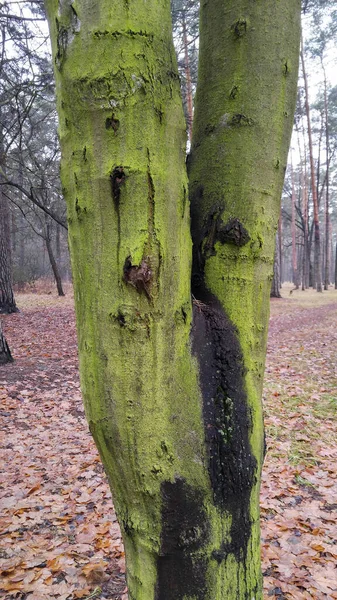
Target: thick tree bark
{"type": "Point", "coordinates": [317, 242]}
{"type": "Point", "coordinates": [5, 353]}
{"type": "Point", "coordinates": [179, 429]}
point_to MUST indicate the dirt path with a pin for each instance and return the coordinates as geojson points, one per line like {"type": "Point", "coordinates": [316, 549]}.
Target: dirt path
{"type": "Point", "coordinates": [60, 539]}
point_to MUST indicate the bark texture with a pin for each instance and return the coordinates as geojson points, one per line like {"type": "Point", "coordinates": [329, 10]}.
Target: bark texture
{"type": "Point", "coordinates": [176, 415]}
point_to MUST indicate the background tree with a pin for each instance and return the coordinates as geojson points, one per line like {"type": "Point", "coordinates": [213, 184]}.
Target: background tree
{"type": "Point", "coordinates": [30, 186]}
{"type": "Point", "coordinates": [5, 353]}
{"type": "Point", "coordinates": [185, 20]}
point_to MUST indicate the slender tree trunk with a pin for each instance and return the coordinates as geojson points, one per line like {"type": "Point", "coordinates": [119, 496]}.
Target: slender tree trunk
{"type": "Point", "coordinates": [58, 241]}
{"type": "Point", "coordinates": [7, 302]}
{"type": "Point", "coordinates": [306, 258]}
{"type": "Point", "coordinates": [327, 187]}
{"type": "Point", "coordinates": [53, 262]}
{"type": "Point", "coordinates": [336, 268]}
{"type": "Point", "coordinates": [280, 248]}
{"type": "Point", "coordinates": [293, 228]}
{"type": "Point", "coordinates": [189, 92]}
{"type": "Point", "coordinates": [180, 431]}
{"type": "Point", "coordinates": [275, 285]}
{"type": "Point", "coordinates": [5, 353]}
{"type": "Point", "coordinates": [317, 247]}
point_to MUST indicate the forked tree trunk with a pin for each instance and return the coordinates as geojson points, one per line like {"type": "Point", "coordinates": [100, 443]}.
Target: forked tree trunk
{"type": "Point", "coordinates": [5, 353]}
{"type": "Point", "coordinates": [179, 430]}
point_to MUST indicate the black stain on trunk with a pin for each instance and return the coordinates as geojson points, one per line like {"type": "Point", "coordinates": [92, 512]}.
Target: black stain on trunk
{"type": "Point", "coordinates": [185, 531]}
{"type": "Point", "coordinates": [112, 123]}
{"type": "Point", "coordinates": [227, 420]}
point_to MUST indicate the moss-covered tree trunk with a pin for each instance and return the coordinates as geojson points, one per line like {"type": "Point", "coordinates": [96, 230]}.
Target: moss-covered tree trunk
{"type": "Point", "coordinates": [243, 120]}
{"type": "Point", "coordinates": [174, 406]}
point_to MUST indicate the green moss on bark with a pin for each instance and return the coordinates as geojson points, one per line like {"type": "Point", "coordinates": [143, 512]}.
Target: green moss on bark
{"type": "Point", "coordinates": [123, 171]}
{"type": "Point", "coordinates": [243, 120]}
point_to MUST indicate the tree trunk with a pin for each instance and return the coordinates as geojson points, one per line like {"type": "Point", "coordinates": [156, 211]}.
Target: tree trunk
{"type": "Point", "coordinates": [336, 268]}
{"type": "Point", "coordinates": [276, 284]}
{"type": "Point", "coordinates": [306, 257]}
{"type": "Point", "coordinates": [179, 432]}
{"type": "Point", "coordinates": [317, 244]}
{"type": "Point", "coordinates": [5, 353]}
{"type": "Point", "coordinates": [327, 187]}
{"type": "Point", "coordinates": [189, 93]}
{"type": "Point", "coordinates": [280, 247]}
{"type": "Point", "coordinates": [245, 95]}
{"type": "Point", "coordinates": [293, 228]}
{"type": "Point", "coordinates": [7, 302]}
{"type": "Point", "coordinates": [53, 263]}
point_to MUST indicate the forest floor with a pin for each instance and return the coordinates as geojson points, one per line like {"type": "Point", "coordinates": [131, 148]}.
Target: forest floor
{"type": "Point", "coordinates": [59, 535]}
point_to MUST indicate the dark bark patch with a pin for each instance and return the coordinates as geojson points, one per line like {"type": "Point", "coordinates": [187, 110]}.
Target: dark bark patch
{"type": "Point", "coordinates": [112, 123]}
{"type": "Point", "coordinates": [233, 233]}
{"type": "Point", "coordinates": [234, 92]}
{"type": "Point", "coordinates": [80, 211]}
{"type": "Point", "coordinates": [227, 422]}
{"type": "Point", "coordinates": [117, 178]}
{"type": "Point", "coordinates": [185, 532]}
{"type": "Point", "coordinates": [139, 276]}
{"type": "Point", "coordinates": [120, 318]}
{"type": "Point", "coordinates": [213, 230]}
{"type": "Point", "coordinates": [239, 28]}
{"type": "Point", "coordinates": [240, 120]}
